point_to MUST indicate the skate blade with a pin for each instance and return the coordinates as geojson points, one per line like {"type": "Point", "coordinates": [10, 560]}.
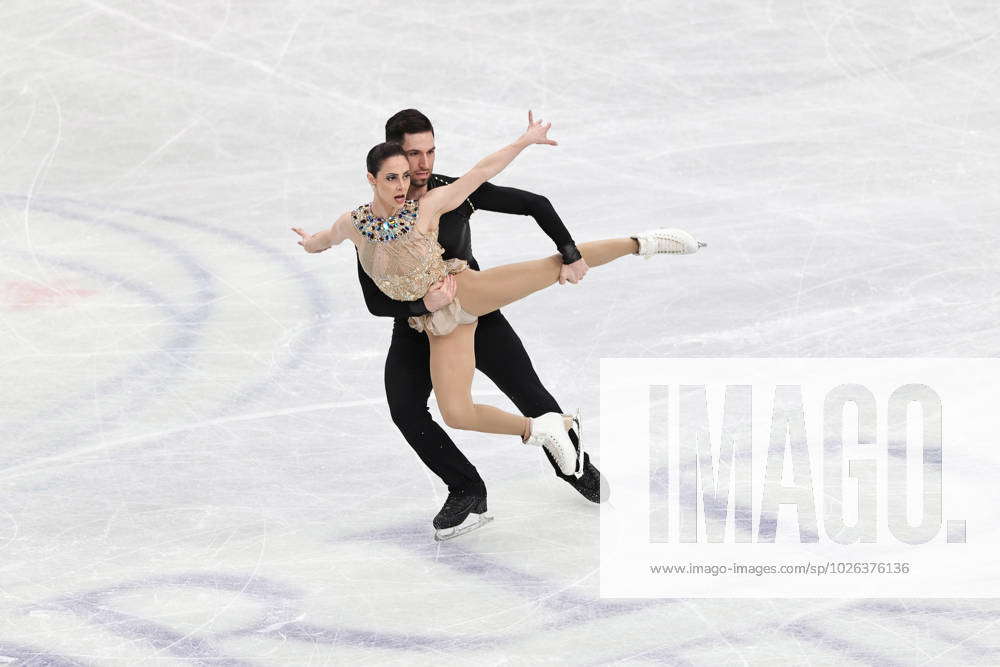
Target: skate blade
{"type": "Point", "coordinates": [471, 523]}
{"type": "Point", "coordinates": [578, 472]}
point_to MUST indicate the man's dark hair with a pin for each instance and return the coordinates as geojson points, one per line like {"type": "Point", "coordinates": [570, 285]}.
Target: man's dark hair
{"type": "Point", "coordinates": [407, 121]}
{"type": "Point", "coordinates": [380, 153]}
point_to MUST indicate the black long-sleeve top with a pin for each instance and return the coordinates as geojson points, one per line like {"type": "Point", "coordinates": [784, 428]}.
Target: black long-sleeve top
{"type": "Point", "coordinates": [455, 237]}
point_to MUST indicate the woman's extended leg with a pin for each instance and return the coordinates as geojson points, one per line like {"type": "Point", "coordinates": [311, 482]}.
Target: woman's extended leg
{"type": "Point", "coordinates": [453, 362]}
{"type": "Point", "coordinates": [485, 291]}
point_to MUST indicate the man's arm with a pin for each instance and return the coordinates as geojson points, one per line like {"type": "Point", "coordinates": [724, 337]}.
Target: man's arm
{"type": "Point", "coordinates": [382, 306]}
{"type": "Point", "coordinates": [489, 197]}
{"type": "Point", "coordinates": [438, 296]}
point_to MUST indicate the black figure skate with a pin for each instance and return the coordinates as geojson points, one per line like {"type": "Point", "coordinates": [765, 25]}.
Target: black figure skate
{"type": "Point", "coordinates": [461, 514]}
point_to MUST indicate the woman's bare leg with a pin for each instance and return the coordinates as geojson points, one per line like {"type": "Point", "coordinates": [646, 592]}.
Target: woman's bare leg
{"type": "Point", "coordinates": [453, 358]}
{"type": "Point", "coordinates": [453, 362]}
{"type": "Point", "coordinates": [483, 292]}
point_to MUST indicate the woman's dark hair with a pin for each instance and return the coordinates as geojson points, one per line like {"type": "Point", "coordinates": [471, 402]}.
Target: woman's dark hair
{"type": "Point", "coordinates": [380, 153]}
{"type": "Point", "coordinates": [407, 121]}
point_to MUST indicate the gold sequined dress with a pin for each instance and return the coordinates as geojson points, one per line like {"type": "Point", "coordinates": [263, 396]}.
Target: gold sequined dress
{"type": "Point", "coordinates": [404, 263]}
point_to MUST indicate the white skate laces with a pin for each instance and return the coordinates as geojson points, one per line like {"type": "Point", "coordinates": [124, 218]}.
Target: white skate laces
{"type": "Point", "coordinates": [667, 240]}
{"type": "Point", "coordinates": [549, 431]}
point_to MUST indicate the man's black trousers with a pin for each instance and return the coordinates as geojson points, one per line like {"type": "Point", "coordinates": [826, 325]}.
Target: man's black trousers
{"type": "Point", "coordinates": [500, 355]}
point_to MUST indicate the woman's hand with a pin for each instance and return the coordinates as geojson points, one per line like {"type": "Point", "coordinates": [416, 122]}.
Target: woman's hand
{"type": "Point", "coordinates": [448, 197]}
{"type": "Point", "coordinates": [536, 132]}
{"type": "Point", "coordinates": [314, 242]}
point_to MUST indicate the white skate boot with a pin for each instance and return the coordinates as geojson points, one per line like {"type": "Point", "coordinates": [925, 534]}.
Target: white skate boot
{"type": "Point", "coordinates": [549, 431]}
{"type": "Point", "coordinates": [663, 240]}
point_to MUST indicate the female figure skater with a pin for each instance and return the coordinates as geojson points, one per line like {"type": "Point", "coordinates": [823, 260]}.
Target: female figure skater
{"type": "Point", "coordinates": [397, 246]}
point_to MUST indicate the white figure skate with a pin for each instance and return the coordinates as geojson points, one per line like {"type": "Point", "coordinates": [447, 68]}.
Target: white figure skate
{"type": "Point", "coordinates": [549, 431]}
{"type": "Point", "coordinates": [669, 241]}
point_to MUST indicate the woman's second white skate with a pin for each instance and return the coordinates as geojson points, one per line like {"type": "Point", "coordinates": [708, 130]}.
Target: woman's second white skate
{"type": "Point", "coordinates": [667, 240]}
{"type": "Point", "coordinates": [549, 431]}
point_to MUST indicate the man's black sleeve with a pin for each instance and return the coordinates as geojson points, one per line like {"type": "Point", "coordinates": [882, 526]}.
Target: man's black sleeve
{"type": "Point", "coordinates": [381, 305]}
{"type": "Point", "coordinates": [489, 197]}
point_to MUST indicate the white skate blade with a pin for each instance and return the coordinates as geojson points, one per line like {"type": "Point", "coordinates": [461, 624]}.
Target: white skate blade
{"type": "Point", "coordinates": [471, 523]}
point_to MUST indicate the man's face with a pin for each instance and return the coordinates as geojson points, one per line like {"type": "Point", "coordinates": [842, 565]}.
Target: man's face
{"type": "Point", "coordinates": [419, 149]}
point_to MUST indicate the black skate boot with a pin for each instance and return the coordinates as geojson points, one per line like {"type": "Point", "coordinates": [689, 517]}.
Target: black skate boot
{"type": "Point", "coordinates": [591, 484]}
{"type": "Point", "coordinates": [462, 513]}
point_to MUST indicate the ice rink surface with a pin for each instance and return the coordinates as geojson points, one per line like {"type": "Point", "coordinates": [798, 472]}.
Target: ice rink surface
{"type": "Point", "coordinates": [198, 464]}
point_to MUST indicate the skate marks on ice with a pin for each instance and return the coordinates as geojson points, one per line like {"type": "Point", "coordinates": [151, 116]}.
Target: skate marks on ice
{"type": "Point", "coordinates": [506, 558]}
{"type": "Point", "coordinates": [513, 594]}
{"type": "Point", "coordinates": [264, 614]}
{"type": "Point", "coordinates": [21, 654]}
{"type": "Point", "coordinates": [176, 305]}
{"type": "Point", "coordinates": [267, 619]}
{"type": "Point", "coordinates": [715, 106]}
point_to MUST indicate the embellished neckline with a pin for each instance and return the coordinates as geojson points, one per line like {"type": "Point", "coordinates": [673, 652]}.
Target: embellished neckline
{"type": "Point", "coordinates": [377, 228]}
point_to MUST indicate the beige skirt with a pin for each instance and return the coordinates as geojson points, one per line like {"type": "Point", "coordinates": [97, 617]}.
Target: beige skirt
{"type": "Point", "coordinates": [445, 320]}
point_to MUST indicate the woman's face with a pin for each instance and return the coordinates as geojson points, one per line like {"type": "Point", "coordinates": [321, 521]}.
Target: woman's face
{"type": "Point", "coordinates": [391, 182]}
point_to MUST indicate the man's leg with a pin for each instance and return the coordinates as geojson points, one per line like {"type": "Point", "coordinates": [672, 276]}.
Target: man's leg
{"type": "Point", "coordinates": [407, 388]}
{"type": "Point", "coordinates": [501, 356]}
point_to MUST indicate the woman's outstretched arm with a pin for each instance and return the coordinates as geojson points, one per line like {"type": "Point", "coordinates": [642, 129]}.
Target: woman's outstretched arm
{"type": "Point", "coordinates": [438, 296]}
{"type": "Point", "coordinates": [339, 232]}
{"type": "Point", "coordinates": [448, 197]}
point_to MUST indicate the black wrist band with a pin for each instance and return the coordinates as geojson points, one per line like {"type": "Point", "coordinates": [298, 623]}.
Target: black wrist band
{"type": "Point", "coordinates": [418, 308]}
{"type": "Point", "coordinates": [570, 253]}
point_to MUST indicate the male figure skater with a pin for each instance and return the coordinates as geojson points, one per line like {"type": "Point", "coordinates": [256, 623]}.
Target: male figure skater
{"type": "Point", "coordinates": [499, 352]}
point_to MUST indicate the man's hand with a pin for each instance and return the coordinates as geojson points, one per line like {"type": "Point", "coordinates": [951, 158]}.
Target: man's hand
{"type": "Point", "coordinates": [441, 293]}
{"type": "Point", "coordinates": [573, 273]}
{"type": "Point", "coordinates": [313, 243]}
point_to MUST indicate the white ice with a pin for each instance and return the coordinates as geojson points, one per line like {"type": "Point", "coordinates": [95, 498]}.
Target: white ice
{"type": "Point", "coordinates": [197, 464]}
